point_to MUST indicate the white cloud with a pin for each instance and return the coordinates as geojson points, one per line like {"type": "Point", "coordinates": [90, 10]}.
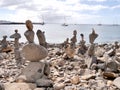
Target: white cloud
{"type": "Point", "coordinates": [117, 6]}
{"type": "Point", "coordinates": [51, 10]}
{"type": "Point", "coordinates": [98, 0]}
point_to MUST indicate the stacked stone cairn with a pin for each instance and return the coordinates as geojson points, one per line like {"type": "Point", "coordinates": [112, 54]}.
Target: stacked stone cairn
{"type": "Point", "coordinates": [18, 56]}
{"type": "Point", "coordinates": [5, 46]}
{"type": "Point", "coordinates": [70, 48]}
{"type": "Point", "coordinates": [91, 59]}
{"type": "Point", "coordinates": [82, 49]}
{"type": "Point", "coordinates": [36, 73]}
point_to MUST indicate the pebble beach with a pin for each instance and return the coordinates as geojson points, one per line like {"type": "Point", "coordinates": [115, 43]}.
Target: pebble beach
{"type": "Point", "coordinates": [67, 73]}
{"type": "Point", "coordinates": [64, 66]}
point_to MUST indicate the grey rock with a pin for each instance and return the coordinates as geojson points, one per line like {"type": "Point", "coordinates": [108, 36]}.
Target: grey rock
{"type": "Point", "coordinates": [4, 43]}
{"type": "Point", "coordinates": [91, 50]}
{"type": "Point", "coordinates": [92, 36]}
{"type": "Point", "coordinates": [90, 60]}
{"type": "Point", "coordinates": [2, 86]}
{"type": "Point", "coordinates": [33, 72]}
{"type": "Point", "coordinates": [33, 52]}
{"type": "Point", "coordinates": [41, 38]}
{"type": "Point", "coordinates": [116, 82]}
{"type": "Point", "coordinates": [29, 34]}
{"type": "Point", "coordinates": [44, 83]}
{"type": "Point", "coordinates": [1, 57]}
{"type": "Point", "coordinates": [112, 66]}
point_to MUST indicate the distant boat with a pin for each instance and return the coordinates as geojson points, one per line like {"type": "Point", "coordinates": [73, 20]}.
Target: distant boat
{"type": "Point", "coordinates": [65, 24]}
{"type": "Point", "coordinates": [99, 24]}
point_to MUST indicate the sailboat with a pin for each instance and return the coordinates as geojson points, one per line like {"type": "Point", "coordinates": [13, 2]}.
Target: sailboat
{"type": "Point", "coordinates": [65, 24]}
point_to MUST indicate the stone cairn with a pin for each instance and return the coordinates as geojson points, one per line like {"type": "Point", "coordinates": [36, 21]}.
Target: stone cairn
{"type": "Point", "coordinates": [18, 56]}
{"type": "Point", "coordinates": [74, 39]}
{"type": "Point", "coordinates": [83, 48]}
{"type": "Point", "coordinates": [91, 59]}
{"type": "Point", "coordinates": [36, 71]}
{"type": "Point", "coordinates": [65, 43]}
{"type": "Point", "coordinates": [4, 45]}
{"type": "Point", "coordinates": [70, 48]}
{"type": "Point", "coordinates": [41, 38]}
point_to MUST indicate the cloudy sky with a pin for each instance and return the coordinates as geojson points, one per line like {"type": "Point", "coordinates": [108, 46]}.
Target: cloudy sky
{"type": "Point", "coordinates": [54, 11]}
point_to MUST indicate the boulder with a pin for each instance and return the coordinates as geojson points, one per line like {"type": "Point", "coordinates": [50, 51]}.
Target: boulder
{"type": "Point", "coordinates": [32, 72]}
{"type": "Point", "coordinates": [33, 52]}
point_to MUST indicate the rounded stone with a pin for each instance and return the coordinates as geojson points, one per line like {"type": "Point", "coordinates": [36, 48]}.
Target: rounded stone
{"type": "Point", "coordinates": [33, 52]}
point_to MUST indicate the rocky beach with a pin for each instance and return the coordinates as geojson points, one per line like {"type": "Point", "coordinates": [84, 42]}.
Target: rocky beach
{"type": "Point", "coordinates": [66, 66]}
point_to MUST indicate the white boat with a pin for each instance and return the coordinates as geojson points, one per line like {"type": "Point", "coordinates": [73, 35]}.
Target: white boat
{"type": "Point", "coordinates": [65, 24]}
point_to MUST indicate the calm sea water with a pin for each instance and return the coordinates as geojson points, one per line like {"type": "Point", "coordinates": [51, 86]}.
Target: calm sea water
{"type": "Point", "coordinates": [56, 33]}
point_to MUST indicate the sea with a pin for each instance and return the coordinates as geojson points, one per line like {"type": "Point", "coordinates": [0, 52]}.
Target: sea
{"type": "Point", "coordinates": [56, 33]}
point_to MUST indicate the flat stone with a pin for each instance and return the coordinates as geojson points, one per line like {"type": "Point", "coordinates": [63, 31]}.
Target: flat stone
{"type": "Point", "coordinates": [59, 86]}
{"type": "Point", "coordinates": [19, 86]}
{"type": "Point", "coordinates": [39, 89]}
{"type": "Point", "coordinates": [109, 75]}
{"type": "Point", "coordinates": [87, 77]}
{"type": "Point", "coordinates": [33, 52]}
{"type": "Point", "coordinates": [44, 83]}
{"type": "Point", "coordinates": [116, 82]}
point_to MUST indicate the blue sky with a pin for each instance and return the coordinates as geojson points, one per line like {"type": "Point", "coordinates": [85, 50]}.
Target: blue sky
{"type": "Point", "coordinates": [54, 11]}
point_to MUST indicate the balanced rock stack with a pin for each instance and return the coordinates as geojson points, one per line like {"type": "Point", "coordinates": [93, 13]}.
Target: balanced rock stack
{"type": "Point", "coordinates": [4, 45]}
{"type": "Point", "coordinates": [18, 57]}
{"type": "Point", "coordinates": [32, 51]}
{"type": "Point", "coordinates": [36, 71]}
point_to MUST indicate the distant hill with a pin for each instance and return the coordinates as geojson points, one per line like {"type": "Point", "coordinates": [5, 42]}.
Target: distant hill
{"type": "Point", "coordinates": [9, 22]}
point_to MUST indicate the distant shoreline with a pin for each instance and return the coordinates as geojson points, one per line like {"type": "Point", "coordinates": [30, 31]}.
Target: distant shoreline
{"type": "Point", "coordinates": [20, 23]}
{"type": "Point", "coordinates": [16, 23]}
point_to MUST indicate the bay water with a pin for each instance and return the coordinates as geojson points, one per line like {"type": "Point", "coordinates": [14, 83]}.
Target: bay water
{"type": "Point", "coordinates": [56, 33]}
